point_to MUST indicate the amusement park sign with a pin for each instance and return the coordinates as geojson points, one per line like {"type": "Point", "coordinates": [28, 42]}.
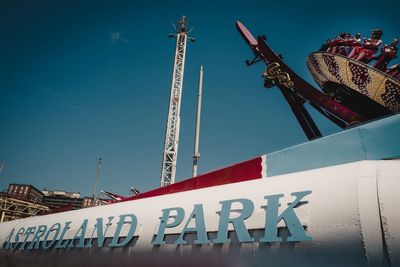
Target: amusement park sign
{"type": "Point", "coordinates": [55, 237]}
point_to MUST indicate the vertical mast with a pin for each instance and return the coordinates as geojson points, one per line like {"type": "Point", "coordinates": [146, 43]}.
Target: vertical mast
{"type": "Point", "coordinates": [170, 153]}
{"type": "Point", "coordinates": [2, 166]}
{"type": "Point", "coordinates": [99, 163]}
{"type": "Point", "coordinates": [196, 154]}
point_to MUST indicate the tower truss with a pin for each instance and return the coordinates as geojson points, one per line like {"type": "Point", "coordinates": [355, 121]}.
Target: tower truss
{"type": "Point", "coordinates": [170, 152]}
{"type": "Point", "coordinates": [12, 208]}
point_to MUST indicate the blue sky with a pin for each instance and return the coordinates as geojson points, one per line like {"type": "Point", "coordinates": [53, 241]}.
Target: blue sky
{"type": "Point", "coordinates": [81, 80]}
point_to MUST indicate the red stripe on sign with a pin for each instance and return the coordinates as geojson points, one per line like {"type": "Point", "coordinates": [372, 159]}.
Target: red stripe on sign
{"type": "Point", "coordinates": [244, 171]}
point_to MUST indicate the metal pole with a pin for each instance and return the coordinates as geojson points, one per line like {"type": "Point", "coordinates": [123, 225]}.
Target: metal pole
{"type": "Point", "coordinates": [196, 154]}
{"type": "Point", "coordinates": [97, 178]}
{"type": "Point", "coordinates": [3, 213]}
{"type": "Point", "coordinates": [2, 166]}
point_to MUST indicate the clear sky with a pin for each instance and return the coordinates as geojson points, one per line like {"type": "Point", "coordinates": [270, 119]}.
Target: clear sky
{"type": "Point", "coordinates": [81, 80]}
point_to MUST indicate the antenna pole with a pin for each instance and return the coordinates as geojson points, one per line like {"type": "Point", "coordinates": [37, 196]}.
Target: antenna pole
{"type": "Point", "coordinates": [2, 166]}
{"type": "Point", "coordinates": [170, 153]}
{"type": "Point", "coordinates": [99, 163]}
{"type": "Point", "coordinates": [196, 154]}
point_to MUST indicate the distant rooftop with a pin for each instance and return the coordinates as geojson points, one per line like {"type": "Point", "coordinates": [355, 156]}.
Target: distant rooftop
{"type": "Point", "coordinates": [13, 185]}
{"type": "Point", "coordinates": [61, 193]}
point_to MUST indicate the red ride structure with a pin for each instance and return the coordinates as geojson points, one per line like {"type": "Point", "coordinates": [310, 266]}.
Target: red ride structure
{"type": "Point", "coordinates": [353, 92]}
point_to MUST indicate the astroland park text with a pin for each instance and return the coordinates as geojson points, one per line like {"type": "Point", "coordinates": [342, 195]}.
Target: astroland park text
{"type": "Point", "coordinates": [55, 236]}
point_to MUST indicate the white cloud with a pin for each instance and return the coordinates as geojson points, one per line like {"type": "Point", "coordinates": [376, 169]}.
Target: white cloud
{"type": "Point", "coordinates": [116, 36]}
{"type": "Point", "coordinates": [52, 92]}
{"type": "Point", "coordinates": [80, 109]}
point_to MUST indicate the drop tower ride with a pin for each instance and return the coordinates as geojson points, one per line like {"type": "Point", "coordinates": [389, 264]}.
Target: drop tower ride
{"type": "Point", "coordinates": [170, 153]}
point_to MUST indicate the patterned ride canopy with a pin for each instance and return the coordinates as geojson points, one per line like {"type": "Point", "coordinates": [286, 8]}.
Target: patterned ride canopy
{"type": "Point", "coordinates": [330, 69]}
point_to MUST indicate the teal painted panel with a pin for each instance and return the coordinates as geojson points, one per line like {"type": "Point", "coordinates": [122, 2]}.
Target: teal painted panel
{"type": "Point", "coordinates": [375, 140]}
{"type": "Point", "coordinates": [381, 140]}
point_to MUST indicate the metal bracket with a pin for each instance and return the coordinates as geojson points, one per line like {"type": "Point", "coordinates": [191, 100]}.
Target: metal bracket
{"type": "Point", "coordinates": [273, 74]}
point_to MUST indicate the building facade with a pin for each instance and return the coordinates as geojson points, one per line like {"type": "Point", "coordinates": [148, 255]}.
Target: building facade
{"type": "Point", "coordinates": [57, 199]}
{"type": "Point", "coordinates": [90, 202]}
{"type": "Point", "coordinates": [26, 192]}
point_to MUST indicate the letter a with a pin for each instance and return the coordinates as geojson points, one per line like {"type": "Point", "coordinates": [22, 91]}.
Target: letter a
{"type": "Point", "coordinates": [237, 222]}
